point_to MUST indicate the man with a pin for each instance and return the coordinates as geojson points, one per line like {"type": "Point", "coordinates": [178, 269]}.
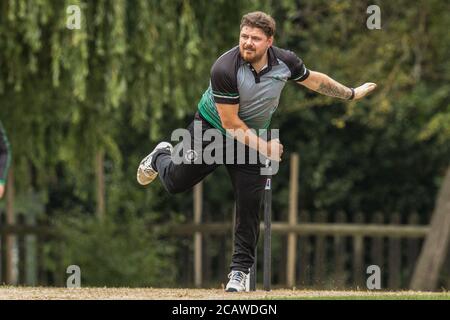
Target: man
{"type": "Point", "coordinates": [4, 159]}
{"type": "Point", "coordinates": [245, 87]}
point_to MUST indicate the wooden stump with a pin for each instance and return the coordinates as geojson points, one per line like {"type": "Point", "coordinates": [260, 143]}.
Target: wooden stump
{"type": "Point", "coordinates": [435, 249]}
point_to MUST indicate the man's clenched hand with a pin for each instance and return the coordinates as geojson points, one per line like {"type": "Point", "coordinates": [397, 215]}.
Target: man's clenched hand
{"type": "Point", "coordinates": [275, 150]}
{"type": "Point", "coordinates": [363, 90]}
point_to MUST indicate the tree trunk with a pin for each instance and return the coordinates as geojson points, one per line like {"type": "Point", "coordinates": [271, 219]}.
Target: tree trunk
{"type": "Point", "coordinates": [435, 247]}
{"type": "Point", "coordinates": [100, 179]}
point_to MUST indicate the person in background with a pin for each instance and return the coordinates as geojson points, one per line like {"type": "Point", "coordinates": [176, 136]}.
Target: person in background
{"type": "Point", "coordinates": [5, 159]}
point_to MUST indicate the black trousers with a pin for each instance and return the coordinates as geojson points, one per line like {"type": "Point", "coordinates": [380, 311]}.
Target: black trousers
{"type": "Point", "coordinates": [248, 185]}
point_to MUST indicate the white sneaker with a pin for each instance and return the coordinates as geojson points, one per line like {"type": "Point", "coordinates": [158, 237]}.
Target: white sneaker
{"type": "Point", "coordinates": [237, 281]}
{"type": "Point", "coordinates": [146, 173]}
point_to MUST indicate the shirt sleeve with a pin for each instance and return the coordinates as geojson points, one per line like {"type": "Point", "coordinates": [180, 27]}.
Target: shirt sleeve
{"type": "Point", "coordinates": [299, 72]}
{"type": "Point", "coordinates": [224, 84]}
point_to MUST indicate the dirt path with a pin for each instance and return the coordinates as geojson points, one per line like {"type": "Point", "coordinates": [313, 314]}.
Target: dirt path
{"type": "Point", "coordinates": [39, 293]}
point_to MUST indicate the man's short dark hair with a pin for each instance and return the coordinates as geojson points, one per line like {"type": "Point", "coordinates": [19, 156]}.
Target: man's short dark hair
{"type": "Point", "coordinates": [259, 20]}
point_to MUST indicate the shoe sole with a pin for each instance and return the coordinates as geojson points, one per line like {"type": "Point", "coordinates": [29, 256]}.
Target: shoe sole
{"type": "Point", "coordinates": [147, 180]}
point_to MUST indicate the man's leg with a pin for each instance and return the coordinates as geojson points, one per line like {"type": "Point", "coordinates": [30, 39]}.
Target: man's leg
{"type": "Point", "coordinates": [179, 177]}
{"type": "Point", "coordinates": [248, 186]}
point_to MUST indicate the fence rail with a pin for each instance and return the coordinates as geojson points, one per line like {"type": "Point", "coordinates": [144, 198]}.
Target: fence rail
{"type": "Point", "coordinates": [317, 229]}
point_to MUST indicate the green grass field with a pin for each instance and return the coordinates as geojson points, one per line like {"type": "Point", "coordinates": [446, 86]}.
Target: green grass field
{"type": "Point", "coordinates": [41, 293]}
{"type": "Point", "coordinates": [438, 296]}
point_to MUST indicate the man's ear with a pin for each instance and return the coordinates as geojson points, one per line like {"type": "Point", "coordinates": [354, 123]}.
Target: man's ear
{"type": "Point", "coordinates": [270, 41]}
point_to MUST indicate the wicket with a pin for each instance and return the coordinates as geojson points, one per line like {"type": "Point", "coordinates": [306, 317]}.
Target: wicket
{"type": "Point", "coordinates": [267, 264]}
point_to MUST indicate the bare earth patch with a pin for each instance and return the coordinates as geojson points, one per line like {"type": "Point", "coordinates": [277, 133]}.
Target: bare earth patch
{"type": "Point", "coordinates": [40, 293]}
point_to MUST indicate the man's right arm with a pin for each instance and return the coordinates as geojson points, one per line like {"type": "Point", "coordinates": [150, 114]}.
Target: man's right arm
{"type": "Point", "coordinates": [240, 131]}
{"type": "Point", "coordinates": [226, 97]}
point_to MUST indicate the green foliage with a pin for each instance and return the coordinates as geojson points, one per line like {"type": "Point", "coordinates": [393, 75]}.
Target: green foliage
{"type": "Point", "coordinates": [114, 252]}
{"type": "Point", "coordinates": [136, 70]}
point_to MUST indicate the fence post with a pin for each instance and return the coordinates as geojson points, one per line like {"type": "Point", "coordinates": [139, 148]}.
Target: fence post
{"type": "Point", "coordinates": [394, 257]}
{"type": "Point", "coordinates": [293, 207]}
{"type": "Point", "coordinates": [11, 246]}
{"type": "Point", "coordinates": [30, 244]}
{"type": "Point", "coordinates": [377, 254]}
{"type": "Point", "coordinates": [197, 235]}
{"type": "Point", "coordinates": [41, 240]}
{"type": "Point", "coordinates": [340, 255]}
{"type": "Point", "coordinates": [305, 248]}
{"type": "Point", "coordinates": [358, 257]}
{"type": "Point", "coordinates": [413, 246]}
{"type": "Point", "coordinates": [21, 247]}
{"type": "Point", "coordinates": [319, 252]}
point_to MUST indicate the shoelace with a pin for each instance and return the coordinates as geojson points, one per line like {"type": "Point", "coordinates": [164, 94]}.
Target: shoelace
{"type": "Point", "coordinates": [237, 276]}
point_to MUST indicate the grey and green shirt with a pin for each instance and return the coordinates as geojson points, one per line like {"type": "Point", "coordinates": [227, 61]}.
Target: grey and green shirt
{"type": "Point", "coordinates": [5, 155]}
{"type": "Point", "coordinates": [235, 81]}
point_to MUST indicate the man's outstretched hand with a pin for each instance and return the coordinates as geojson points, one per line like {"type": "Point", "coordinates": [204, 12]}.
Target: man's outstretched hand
{"type": "Point", "coordinates": [363, 90]}
{"type": "Point", "coordinates": [2, 190]}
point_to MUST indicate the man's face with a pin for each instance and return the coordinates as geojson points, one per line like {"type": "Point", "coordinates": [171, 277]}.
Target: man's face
{"type": "Point", "coordinates": [253, 44]}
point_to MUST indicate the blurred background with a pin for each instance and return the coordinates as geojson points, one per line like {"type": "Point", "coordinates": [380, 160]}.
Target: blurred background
{"type": "Point", "coordinates": [82, 107]}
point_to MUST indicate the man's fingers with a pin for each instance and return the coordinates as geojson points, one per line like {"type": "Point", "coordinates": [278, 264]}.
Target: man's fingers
{"type": "Point", "coordinates": [276, 155]}
{"type": "Point", "coordinates": [364, 89]}
{"type": "Point", "coordinates": [370, 86]}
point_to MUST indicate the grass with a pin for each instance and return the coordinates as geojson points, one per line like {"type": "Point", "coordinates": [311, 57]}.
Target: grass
{"type": "Point", "coordinates": [353, 295]}
{"type": "Point", "coordinates": [42, 293]}
{"type": "Point", "coordinates": [375, 297]}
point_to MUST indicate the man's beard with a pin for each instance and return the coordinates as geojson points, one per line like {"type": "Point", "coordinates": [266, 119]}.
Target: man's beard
{"type": "Point", "coordinates": [253, 58]}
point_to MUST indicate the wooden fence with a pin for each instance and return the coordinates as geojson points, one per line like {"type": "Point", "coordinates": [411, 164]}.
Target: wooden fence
{"type": "Point", "coordinates": [321, 251]}
{"type": "Point", "coordinates": [327, 251]}
{"type": "Point", "coordinates": [22, 252]}
{"type": "Point", "coordinates": [309, 250]}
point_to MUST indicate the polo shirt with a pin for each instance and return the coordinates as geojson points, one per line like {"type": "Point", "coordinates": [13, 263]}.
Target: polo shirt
{"type": "Point", "coordinates": [235, 81]}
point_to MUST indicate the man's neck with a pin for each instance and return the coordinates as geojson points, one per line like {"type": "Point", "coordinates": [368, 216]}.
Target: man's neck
{"type": "Point", "coordinates": [258, 66]}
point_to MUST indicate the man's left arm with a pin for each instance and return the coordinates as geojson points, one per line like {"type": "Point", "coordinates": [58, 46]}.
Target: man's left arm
{"type": "Point", "coordinates": [325, 85]}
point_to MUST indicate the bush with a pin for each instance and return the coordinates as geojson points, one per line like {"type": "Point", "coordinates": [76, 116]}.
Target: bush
{"type": "Point", "coordinates": [114, 253]}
